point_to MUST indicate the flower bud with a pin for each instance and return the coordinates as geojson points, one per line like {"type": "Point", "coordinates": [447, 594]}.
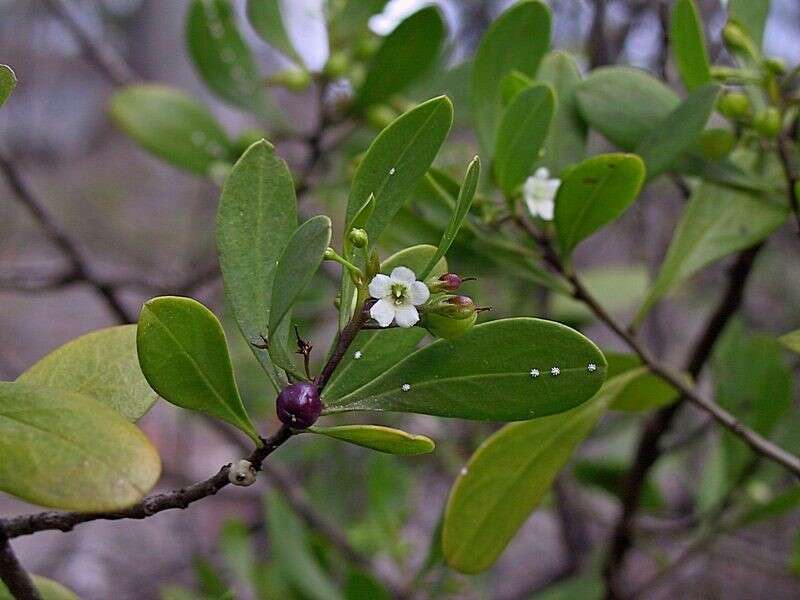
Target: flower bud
{"type": "Point", "coordinates": [775, 65]}
{"type": "Point", "coordinates": [455, 307]}
{"type": "Point", "coordinates": [737, 40]}
{"type": "Point", "coordinates": [295, 80]}
{"type": "Point", "coordinates": [373, 266]}
{"type": "Point", "coordinates": [716, 143]}
{"type": "Point", "coordinates": [768, 122]}
{"type": "Point", "coordinates": [734, 105]}
{"type": "Point", "coordinates": [367, 46]}
{"type": "Point", "coordinates": [447, 328]}
{"type": "Point", "coordinates": [298, 405]}
{"type": "Point", "coordinates": [449, 282]}
{"type": "Point", "coordinates": [337, 65]}
{"type": "Point", "coordinates": [358, 237]}
{"type": "Point", "coordinates": [242, 473]}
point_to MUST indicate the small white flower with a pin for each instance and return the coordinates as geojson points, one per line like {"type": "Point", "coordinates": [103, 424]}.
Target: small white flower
{"type": "Point", "coordinates": [398, 296]}
{"type": "Point", "coordinates": [539, 193]}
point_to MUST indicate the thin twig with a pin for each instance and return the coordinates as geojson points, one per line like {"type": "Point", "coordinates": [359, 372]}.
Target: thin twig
{"type": "Point", "coordinates": [785, 152]}
{"type": "Point", "coordinates": [13, 575]}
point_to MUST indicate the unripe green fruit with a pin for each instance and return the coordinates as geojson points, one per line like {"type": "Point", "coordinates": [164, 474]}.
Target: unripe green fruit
{"type": "Point", "coordinates": [448, 327]}
{"type": "Point", "coordinates": [768, 122]}
{"type": "Point", "coordinates": [716, 143]}
{"type": "Point", "coordinates": [337, 65]}
{"type": "Point", "coordinates": [295, 80]}
{"type": "Point", "coordinates": [734, 105]}
{"type": "Point", "coordinates": [737, 40]}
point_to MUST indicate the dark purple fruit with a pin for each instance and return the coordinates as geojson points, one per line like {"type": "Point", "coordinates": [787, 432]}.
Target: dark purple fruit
{"type": "Point", "coordinates": [298, 405]}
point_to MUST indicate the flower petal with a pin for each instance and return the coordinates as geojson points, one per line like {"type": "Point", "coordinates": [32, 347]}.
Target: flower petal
{"type": "Point", "coordinates": [406, 315]}
{"type": "Point", "coordinates": [380, 286]}
{"type": "Point", "coordinates": [403, 275]}
{"type": "Point", "coordinates": [383, 311]}
{"type": "Point", "coordinates": [546, 208]}
{"type": "Point", "coordinates": [542, 173]}
{"type": "Point", "coordinates": [418, 293]}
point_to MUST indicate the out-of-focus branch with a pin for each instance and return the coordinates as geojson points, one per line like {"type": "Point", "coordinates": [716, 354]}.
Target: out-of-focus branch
{"type": "Point", "coordinates": [785, 151]}
{"type": "Point", "coordinates": [101, 55]}
{"type": "Point", "coordinates": [13, 575]}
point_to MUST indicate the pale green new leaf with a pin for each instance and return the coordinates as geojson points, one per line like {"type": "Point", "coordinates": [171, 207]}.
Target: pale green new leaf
{"type": "Point", "coordinates": [8, 81]}
{"type": "Point", "coordinates": [521, 134]}
{"type": "Point", "coordinates": [466, 194]}
{"type": "Point", "coordinates": [65, 450]}
{"type": "Point", "coordinates": [49, 590]}
{"type": "Point", "coordinates": [267, 20]}
{"type": "Point", "coordinates": [488, 375]}
{"type": "Point", "coordinates": [688, 44]}
{"type": "Point", "coordinates": [172, 125]}
{"type": "Point", "coordinates": [516, 41]}
{"type": "Point", "coordinates": [594, 193]}
{"type": "Point", "coordinates": [257, 217]}
{"type": "Point", "coordinates": [678, 131]}
{"type": "Point", "coordinates": [184, 356]}
{"type": "Point", "coordinates": [300, 260]}
{"type": "Point", "coordinates": [403, 57]}
{"type": "Point", "coordinates": [566, 144]}
{"type": "Point", "coordinates": [718, 221]}
{"type": "Point", "coordinates": [507, 478]}
{"type": "Point", "coordinates": [624, 104]}
{"type": "Point", "coordinates": [103, 365]}
{"type": "Point", "coordinates": [377, 437]}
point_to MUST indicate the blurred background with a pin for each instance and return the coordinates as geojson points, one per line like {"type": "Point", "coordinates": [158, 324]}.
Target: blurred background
{"type": "Point", "coordinates": [146, 228]}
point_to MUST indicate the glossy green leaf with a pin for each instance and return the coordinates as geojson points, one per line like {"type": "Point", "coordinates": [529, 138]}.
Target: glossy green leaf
{"type": "Point", "coordinates": [293, 555]}
{"type": "Point", "coordinates": [300, 260]}
{"type": "Point", "coordinates": [646, 391]}
{"type": "Point", "coordinates": [752, 15]}
{"type": "Point", "coordinates": [415, 258]}
{"type": "Point", "coordinates": [678, 131]}
{"type": "Point", "coordinates": [688, 44]}
{"type": "Point", "coordinates": [184, 356]}
{"type": "Point", "coordinates": [624, 104]}
{"type": "Point", "coordinates": [487, 375]}
{"type": "Point", "coordinates": [513, 84]}
{"type": "Point", "coordinates": [377, 352]}
{"type": "Point", "coordinates": [266, 18]}
{"type": "Point", "coordinates": [396, 161]}
{"type": "Point", "coordinates": [594, 193]}
{"type": "Point", "coordinates": [566, 143]}
{"type": "Point", "coordinates": [103, 365]}
{"type": "Point", "coordinates": [466, 194]}
{"type": "Point", "coordinates": [791, 341]}
{"type": "Point", "coordinates": [521, 134]}
{"type": "Point", "coordinates": [257, 217]}
{"type": "Point", "coordinates": [221, 57]}
{"type": "Point", "coordinates": [172, 125]}
{"type": "Point", "coordinates": [718, 221]}
{"type": "Point", "coordinates": [65, 450]}
{"type": "Point", "coordinates": [8, 81]}
{"type": "Point", "coordinates": [403, 57]}
{"type": "Point", "coordinates": [507, 478]}
{"type": "Point", "coordinates": [47, 588]}
{"type": "Point", "coordinates": [516, 41]}
{"type": "Point", "coordinates": [377, 437]}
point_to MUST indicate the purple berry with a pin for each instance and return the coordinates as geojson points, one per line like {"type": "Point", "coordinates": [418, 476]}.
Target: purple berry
{"type": "Point", "coordinates": [298, 405]}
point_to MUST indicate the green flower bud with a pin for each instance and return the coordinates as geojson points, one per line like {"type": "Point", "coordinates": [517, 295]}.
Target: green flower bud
{"type": "Point", "coordinates": [447, 328]}
{"type": "Point", "coordinates": [337, 65]}
{"type": "Point", "coordinates": [737, 40]}
{"type": "Point", "coordinates": [735, 106]}
{"type": "Point", "coordinates": [295, 80]}
{"type": "Point", "coordinates": [330, 254]}
{"type": "Point", "coordinates": [366, 47]}
{"type": "Point", "coordinates": [768, 122]}
{"type": "Point", "coordinates": [775, 65]}
{"type": "Point", "coordinates": [358, 237]}
{"type": "Point", "coordinates": [454, 307]}
{"type": "Point", "coordinates": [373, 266]}
{"type": "Point", "coordinates": [381, 115]}
{"type": "Point", "coordinates": [716, 143]}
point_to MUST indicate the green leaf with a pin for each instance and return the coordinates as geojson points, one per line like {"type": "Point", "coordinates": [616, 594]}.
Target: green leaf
{"type": "Point", "coordinates": [618, 288]}
{"type": "Point", "coordinates": [521, 134]}
{"type": "Point", "coordinates": [718, 221]}
{"type": "Point", "coordinates": [403, 57]}
{"type": "Point", "coordinates": [688, 44]}
{"type": "Point", "coordinates": [507, 478]}
{"type": "Point", "coordinates": [301, 259]}
{"type": "Point", "coordinates": [566, 143]}
{"type": "Point", "coordinates": [211, 583]}
{"type": "Point", "coordinates": [257, 217]}
{"type": "Point", "coordinates": [361, 585]}
{"type": "Point", "coordinates": [624, 104]}
{"type": "Point", "coordinates": [8, 81]}
{"type": "Point", "coordinates": [678, 131]}
{"type": "Point", "coordinates": [585, 587]}
{"type": "Point", "coordinates": [752, 15]}
{"type": "Point", "coordinates": [516, 41]}
{"type": "Point", "coordinates": [643, 392]}
{"type": "Point", "coordinates": [292, 554]}
{"type": "Point", "coordinates": [238, 552]}
{"type": "Point", "coordinates": [221, 56]}
{"type": "Point", "coordinates": [103, 365]}
{"type": "Point", "coordinates": [172, 125]}
{"type": "Point", "coordinates": [486, 375]}
{"type": "Point", "coordinates": [774, 507]}
{"type": "Point", "coordinates": [266, 18]}
{"type": "Point", "coordinates": [593, 194]}
{"type": "Point", "coordinates": [415, 258]}
{"type": "Point", "coordinates": [609, 476]}
{"type": "Point", "coordinates": [65, 450]}
{"type": "Point", "coordinates": [377, 351]}
{"type": "Point", "coordinates": [352, 18]}
{"type": "Point", "coordinates": [791, 340]}
{"type": "Point", "coordinates": [513, 84]}
{"type": "Point", "coordinates": [465, 196]}
{"type": "Point", "coordinates": [184, 356]}
{"type": "Point", "coordinates": [396, 161]}
{"type": "Point", "coordinates": [377, 437]}
{"type": "Point", "coordinates": [49, 590]}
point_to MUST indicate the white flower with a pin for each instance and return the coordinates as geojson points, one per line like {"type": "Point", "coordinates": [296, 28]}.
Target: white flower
{"type": "Point", "coordinates": [398, 294]}
{"type": "Point", "coordinates": [539, 192]}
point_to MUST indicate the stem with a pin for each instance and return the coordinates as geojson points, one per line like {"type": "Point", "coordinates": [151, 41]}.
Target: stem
{"type": "Point", "coordinates": [785, 153]}
{"type": "Point", "coordinates": [330, 254]}
{"type": "Point", "coordinates": [13, 575]}
{"type": "Point", "coordinates": [346, 337]}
